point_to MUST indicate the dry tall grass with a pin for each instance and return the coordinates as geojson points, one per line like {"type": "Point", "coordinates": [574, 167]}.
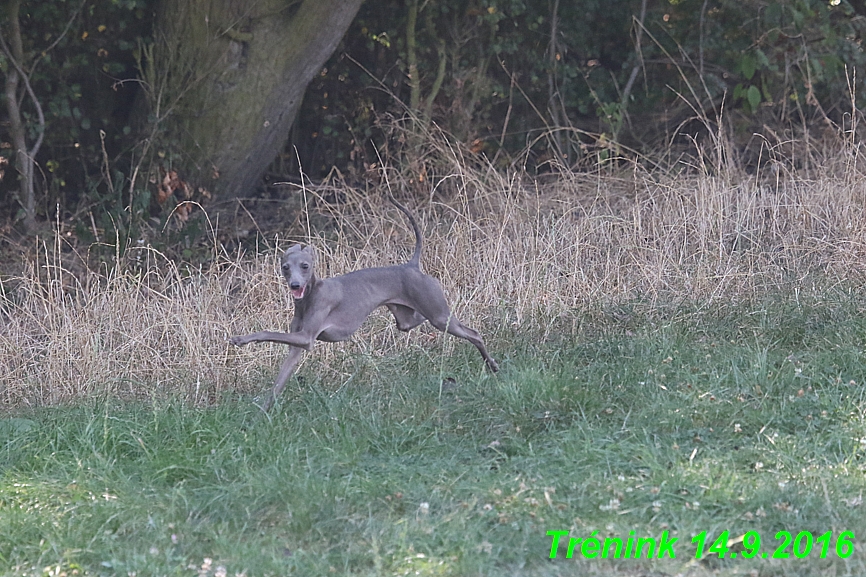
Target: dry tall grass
{"type": "Point", "coordinates": [510, 251]}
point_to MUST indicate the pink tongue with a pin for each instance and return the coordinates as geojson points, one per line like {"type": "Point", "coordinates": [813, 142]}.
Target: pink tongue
{"type": "Point", "coordinates": [299, 293]}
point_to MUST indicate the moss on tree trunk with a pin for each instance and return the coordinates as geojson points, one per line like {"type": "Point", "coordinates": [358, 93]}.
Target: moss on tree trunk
{"type": "Point", "coordinates": [225, 79]}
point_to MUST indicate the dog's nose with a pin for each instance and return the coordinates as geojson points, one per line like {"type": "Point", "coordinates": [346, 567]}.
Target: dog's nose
{"type": "Point", "coordinates": [295, 285]}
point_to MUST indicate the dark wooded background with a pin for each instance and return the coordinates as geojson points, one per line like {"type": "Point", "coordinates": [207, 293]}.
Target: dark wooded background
{"type": "Point", "coordinates": [528, 85]}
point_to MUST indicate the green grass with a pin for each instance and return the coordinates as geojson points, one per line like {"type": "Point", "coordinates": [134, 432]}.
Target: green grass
{"type": "Point", "coordinates": [749, 417]}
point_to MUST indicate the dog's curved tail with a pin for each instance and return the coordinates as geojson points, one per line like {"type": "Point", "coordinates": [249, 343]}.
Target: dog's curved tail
{"type": "Point", "coordinates": [416, 257]}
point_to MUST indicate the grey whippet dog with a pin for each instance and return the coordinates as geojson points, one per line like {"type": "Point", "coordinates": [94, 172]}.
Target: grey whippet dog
{"type": "Point", "coordinates": [332, 309]}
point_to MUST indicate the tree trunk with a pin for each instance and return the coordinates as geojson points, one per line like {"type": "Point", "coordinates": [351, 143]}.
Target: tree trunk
{"type": "Point", "coordinates": [226, 77]}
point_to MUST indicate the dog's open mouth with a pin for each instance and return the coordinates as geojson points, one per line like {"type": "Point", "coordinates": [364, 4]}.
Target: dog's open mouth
{"type": "Point", "coordinates": [298, 293]}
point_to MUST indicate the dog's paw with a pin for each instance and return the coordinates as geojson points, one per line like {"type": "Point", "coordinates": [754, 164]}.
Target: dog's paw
{"type": "Point", "coordinates": [238, 341]}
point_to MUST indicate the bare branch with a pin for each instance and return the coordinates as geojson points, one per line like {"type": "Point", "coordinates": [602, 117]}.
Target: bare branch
{"type": "Point", "coordinates": [639, 54]}
{"type": "Point", "coordinates": [25, 78]}
{"type": "Point", "coordinates": [57, 40]}
{"type": "Point", "coordinates": [701, 40]}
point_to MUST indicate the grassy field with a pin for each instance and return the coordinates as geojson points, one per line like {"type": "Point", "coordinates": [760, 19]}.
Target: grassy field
{"type": "Point", "coordinates": [682, 354]}
{"type": "Point", "coordinates": [746, 417]}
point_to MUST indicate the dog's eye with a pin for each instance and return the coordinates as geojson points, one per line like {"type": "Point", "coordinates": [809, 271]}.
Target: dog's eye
{"type": "Point", "coordinates": [305, 266]}
{"type": "Point", "coordinates": [286, 266]}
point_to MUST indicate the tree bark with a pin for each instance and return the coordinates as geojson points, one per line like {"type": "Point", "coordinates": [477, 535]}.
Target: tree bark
{"type": "Point", "coordinates": [225, 79]}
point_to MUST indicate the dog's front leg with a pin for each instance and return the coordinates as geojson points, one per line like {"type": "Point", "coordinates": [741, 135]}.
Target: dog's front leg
{"type": "Point", "coordinates": [300, 339]}
{"type": "Point", "coordinates": [286, 370]}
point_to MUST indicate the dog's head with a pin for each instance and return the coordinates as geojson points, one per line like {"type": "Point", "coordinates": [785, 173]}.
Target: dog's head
{"type": "Point", "coordinates": [297, 267]}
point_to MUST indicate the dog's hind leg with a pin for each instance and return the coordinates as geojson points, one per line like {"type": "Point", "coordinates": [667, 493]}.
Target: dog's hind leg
{"type": "Point", "coordinates": [453, 326]}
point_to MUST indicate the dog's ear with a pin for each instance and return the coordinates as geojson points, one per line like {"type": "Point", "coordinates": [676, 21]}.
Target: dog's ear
{"type": "Point", "coordinates": [310, 252]}
{"type": "Point", "coordinates": [306, 250]}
